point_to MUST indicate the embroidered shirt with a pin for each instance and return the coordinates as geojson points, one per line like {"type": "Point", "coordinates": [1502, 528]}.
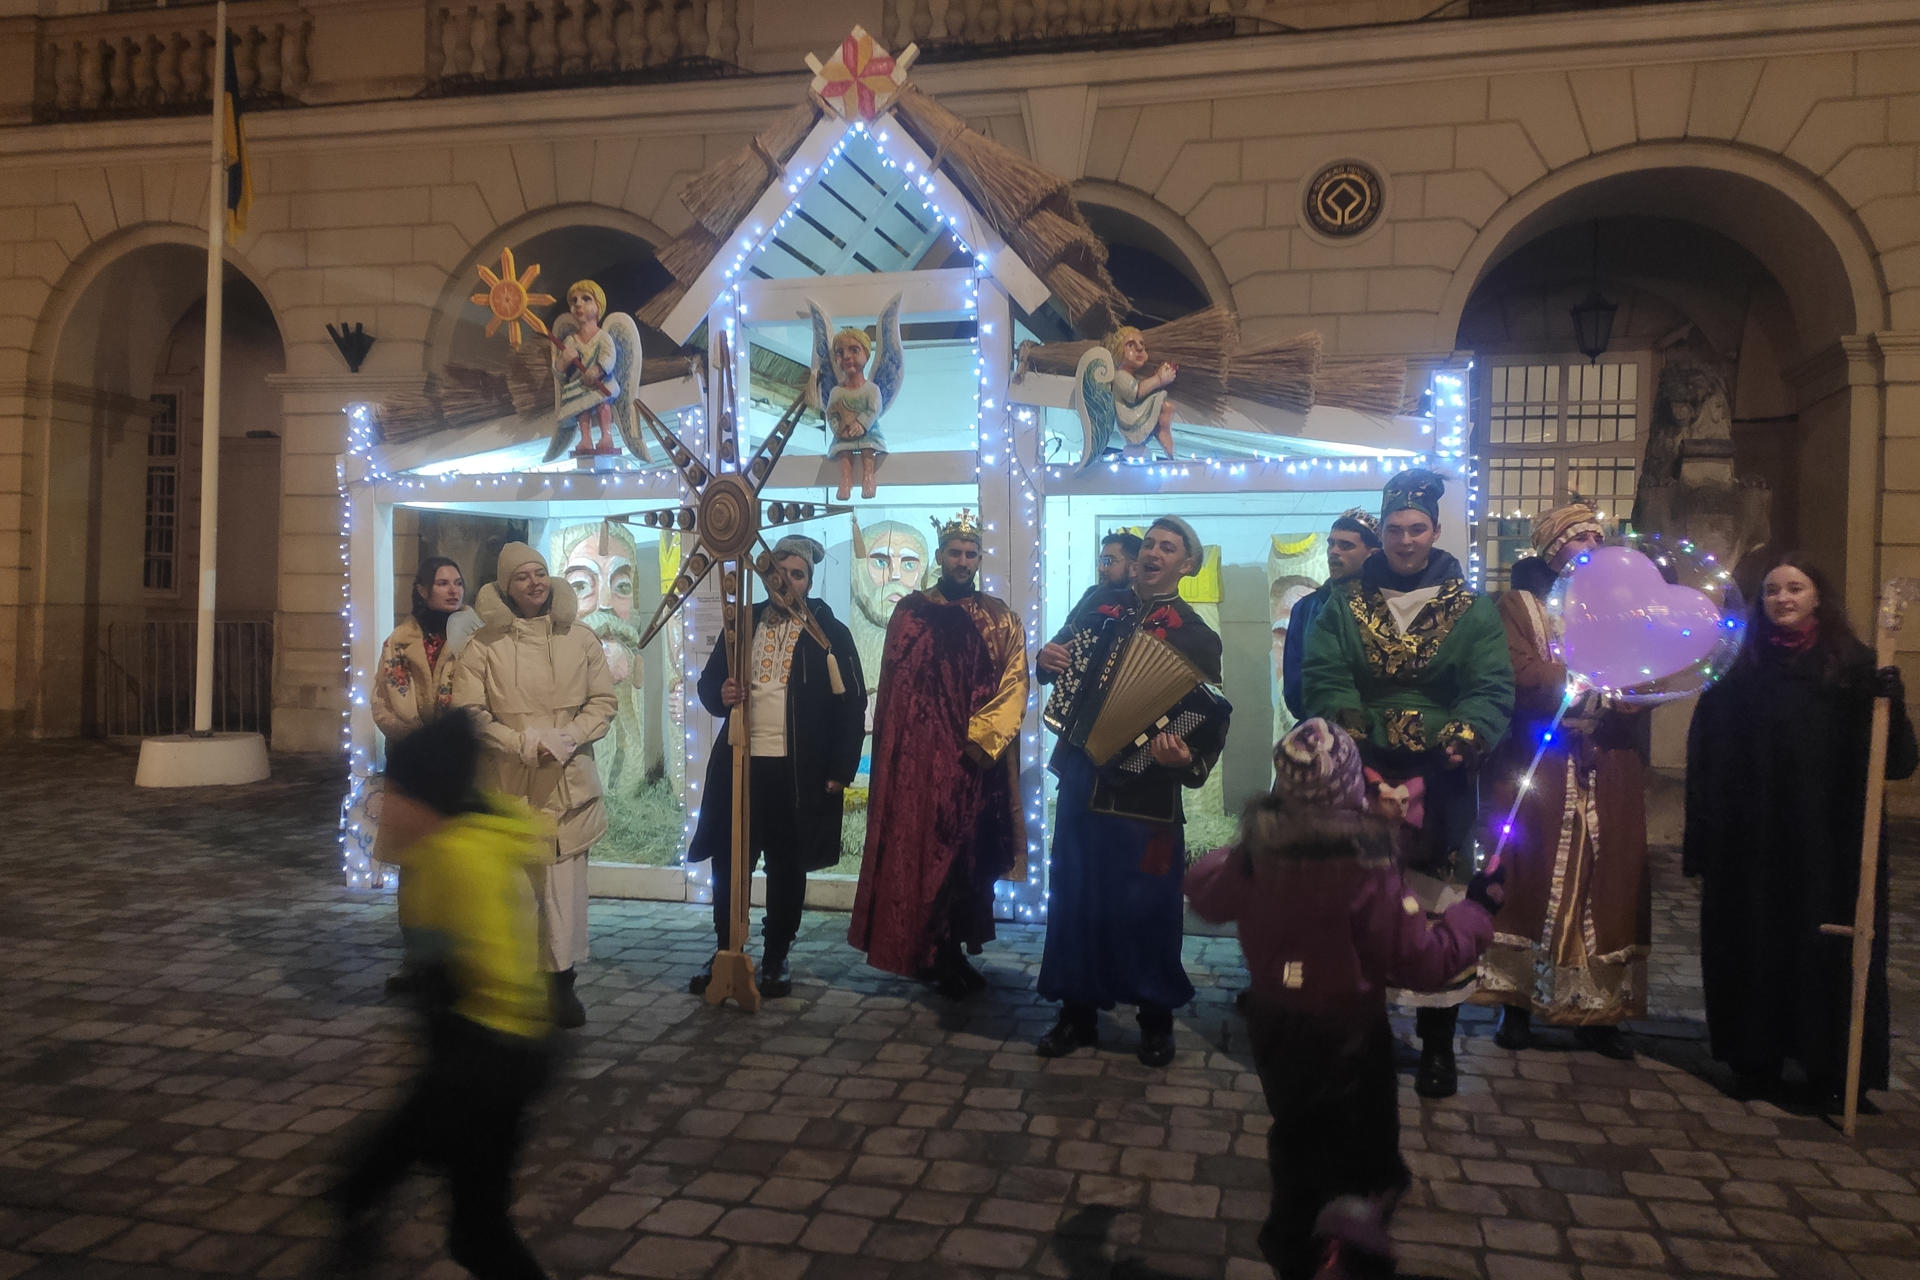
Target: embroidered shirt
{"type": "Point", "coordinates": [767, 686]}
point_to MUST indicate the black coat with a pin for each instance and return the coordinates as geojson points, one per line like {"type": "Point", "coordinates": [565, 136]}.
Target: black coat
{"type": "Point", "coordinates": [824, 734]}
{"type": "Point", "coordinates": [1776, 779]}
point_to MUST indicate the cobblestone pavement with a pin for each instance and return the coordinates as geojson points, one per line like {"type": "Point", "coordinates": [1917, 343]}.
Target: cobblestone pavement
{"type": "Point", "coordinates": [194, 1019]}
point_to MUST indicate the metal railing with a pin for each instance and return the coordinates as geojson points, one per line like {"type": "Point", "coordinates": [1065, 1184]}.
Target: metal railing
{"type": "Point", "coordinates": [146, 684]}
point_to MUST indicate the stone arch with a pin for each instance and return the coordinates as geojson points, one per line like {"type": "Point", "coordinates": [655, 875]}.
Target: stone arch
{"type": "Point", "coordinates": [100, 257]}
{"type": "Point", "coordinates": [1790, 222]}
{"type": "Point", "coordinates": [1178, 243]}
{"type": "Point", "coordinates": [449, 307]}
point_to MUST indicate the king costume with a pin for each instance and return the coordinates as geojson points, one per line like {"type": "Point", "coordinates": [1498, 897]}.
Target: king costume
{"type": "Point", "coordinates": [943, 810]}
{"type": "Point", "coordinates": [1570, 943]}
{"type": "Point", "coordinates": [1414, 665]}
{"type": "Point", "coordinates": [1115, 912]}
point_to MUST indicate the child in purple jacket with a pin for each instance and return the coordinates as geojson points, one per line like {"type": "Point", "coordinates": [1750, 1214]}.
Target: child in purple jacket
{"type": "Point", "coordinates": [1327, 926]}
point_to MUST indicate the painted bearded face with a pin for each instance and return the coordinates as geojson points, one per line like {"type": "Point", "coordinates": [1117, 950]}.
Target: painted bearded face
{"type": "Point", "coordinates": [895, 566]}
{"type": "Point", "coordinates": [604, 586]}
{"type": "Point", "coordinates": [601, 582]}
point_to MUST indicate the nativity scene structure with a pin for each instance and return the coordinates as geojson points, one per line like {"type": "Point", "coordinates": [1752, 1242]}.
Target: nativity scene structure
{"type": "Point", "coordinates": [913, 320]}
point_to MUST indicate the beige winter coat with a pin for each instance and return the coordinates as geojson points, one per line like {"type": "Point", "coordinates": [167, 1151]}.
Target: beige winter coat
{"type": "Point", "coordinates": [406, 693]}
{"type": "Point", "coordinates": [520, 674]}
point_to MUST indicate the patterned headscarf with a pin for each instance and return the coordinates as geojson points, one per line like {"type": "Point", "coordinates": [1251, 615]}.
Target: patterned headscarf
{"type": "Point", "coordinates": [1317, 766]}
{"type": "Point", "coordinates": [1416, 490]}
{"type": "Point", "coordinates": [1553, 529]}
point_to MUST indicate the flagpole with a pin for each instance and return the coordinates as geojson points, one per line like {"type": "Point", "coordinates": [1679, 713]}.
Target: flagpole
{"type": "Point", "coordinates": [210, 385]}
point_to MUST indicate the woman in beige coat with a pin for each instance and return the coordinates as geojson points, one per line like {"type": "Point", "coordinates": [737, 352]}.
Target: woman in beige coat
{"type": "Point", "coordinates": [538, 683]}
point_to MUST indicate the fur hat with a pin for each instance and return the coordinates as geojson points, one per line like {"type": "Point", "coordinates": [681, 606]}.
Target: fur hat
{"type": "Point", "coordinates": [1317, 766]}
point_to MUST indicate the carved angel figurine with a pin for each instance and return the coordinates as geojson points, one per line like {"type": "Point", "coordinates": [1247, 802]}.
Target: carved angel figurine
{"type": "Point", "coordinates": [596, 376]}
{"type": "Point", "coordinates": [851, 402]}
{"type": "Point", "coordinates": [1114, 399]}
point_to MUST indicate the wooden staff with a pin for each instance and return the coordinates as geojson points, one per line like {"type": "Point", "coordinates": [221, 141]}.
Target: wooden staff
{"type": "Point", "coordinates": [1893, 601]}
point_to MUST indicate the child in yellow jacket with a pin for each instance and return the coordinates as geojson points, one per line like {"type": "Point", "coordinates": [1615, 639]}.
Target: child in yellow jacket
{"type": "Point", "coordinates": [467, 919]}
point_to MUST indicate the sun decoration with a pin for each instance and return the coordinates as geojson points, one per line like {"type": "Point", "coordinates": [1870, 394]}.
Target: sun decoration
{"type": "Point", "coordinates": [509, 297]}
{"type": "Point", "coordinates": [861, 79]}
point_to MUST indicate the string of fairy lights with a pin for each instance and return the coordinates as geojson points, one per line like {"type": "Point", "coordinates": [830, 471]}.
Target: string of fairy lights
{"type": "Point", "coordinates": [998, 453]}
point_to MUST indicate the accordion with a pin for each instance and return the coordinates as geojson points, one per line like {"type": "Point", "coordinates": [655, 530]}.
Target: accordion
{"type": "Point", "coordinates": [1144, 687]}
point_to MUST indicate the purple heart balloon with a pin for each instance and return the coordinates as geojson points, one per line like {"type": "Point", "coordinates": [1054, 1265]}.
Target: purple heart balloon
{"type": "Point", "coordinates": [1623, 624]}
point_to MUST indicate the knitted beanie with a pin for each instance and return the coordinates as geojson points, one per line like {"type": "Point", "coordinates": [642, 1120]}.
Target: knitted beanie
{"type": "Point", "coordinates": [1317, 766]}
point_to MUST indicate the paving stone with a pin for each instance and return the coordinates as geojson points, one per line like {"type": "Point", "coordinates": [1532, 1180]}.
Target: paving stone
{"type": "Point", "coordinates": [174, 1094]}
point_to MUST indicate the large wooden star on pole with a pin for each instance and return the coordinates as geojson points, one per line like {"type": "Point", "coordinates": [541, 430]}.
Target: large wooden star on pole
{"type": "Point", "coordinates": [726, 516]}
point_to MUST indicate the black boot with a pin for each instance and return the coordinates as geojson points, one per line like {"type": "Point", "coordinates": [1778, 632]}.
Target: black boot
{"type": "Point", "coordinates": [1516, 1028]}
{"type": "Point", "coordinates": [1156, 1037]}
{"type": "Point", "coordinates": [1074, 1029]}
{"type": "Point", "coordinates": [568, 1012]}
{"type": "Point", "coordinates": [1605, 1041]}
{"type": "Point", "coordinates": [775, 978]}
{"type": "Point", "coordinates": [1438, 1075]}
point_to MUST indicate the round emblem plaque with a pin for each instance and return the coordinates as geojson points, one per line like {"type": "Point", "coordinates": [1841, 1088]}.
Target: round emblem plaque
{"type": "Point", "coordinates": [1344, 199]}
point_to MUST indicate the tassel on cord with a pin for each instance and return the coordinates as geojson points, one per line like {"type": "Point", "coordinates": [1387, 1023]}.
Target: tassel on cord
{"type": "Point", "coordinates": [833, 676]}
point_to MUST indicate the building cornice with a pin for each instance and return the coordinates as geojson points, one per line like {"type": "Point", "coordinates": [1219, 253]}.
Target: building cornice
{"type": "Point", "coordinates": [1244, 66]}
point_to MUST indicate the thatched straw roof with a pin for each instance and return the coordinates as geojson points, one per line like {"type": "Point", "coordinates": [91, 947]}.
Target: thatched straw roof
{"type": "Point", "coordinates": [1028, 207]}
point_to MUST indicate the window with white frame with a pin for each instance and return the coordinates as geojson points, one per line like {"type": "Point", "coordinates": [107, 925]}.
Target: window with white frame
{"type": "Point", "coordinates": [162, 541]}
{"type": "Point", "coordinates": [1554, 428]}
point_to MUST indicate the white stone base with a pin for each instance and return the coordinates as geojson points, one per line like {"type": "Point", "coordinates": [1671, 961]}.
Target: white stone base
{"type": "Point", "coordinates": [181, 760]}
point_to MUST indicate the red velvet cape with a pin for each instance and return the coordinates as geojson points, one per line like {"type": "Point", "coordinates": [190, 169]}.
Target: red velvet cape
{"type": "Point", "coordinates": [932, 813]}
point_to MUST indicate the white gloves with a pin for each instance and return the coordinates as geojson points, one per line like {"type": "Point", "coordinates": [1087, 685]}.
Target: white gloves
{"type": "Point", "coordinates": [559, 746]}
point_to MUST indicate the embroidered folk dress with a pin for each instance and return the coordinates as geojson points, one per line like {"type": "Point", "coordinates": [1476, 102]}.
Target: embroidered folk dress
{"type": "Point", "coordinates": [1571, 940]}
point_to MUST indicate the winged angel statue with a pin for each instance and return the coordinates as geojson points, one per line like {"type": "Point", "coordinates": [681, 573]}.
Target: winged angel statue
{"type": "Point", "coordinates": [596, 378]}
{"type": "Point", "coordinates": [1114, 400]}
{"type": "Point", "coordinates": [851, 401]}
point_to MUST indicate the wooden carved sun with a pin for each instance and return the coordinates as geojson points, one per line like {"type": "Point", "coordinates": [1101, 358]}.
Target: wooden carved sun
{"type": "Point", "coordinates": [510, 296]}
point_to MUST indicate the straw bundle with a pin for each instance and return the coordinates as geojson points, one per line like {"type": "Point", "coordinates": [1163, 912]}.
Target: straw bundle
{"type": "Point", "coordinates": [719, 196]}
{"type": "Point", "coordinates": [1281, 375]}
{"type": "Point", "coordinates": [1093, 307]}
{"type": "Point", "coordinates": [655, 313]}
{"type": "Point", "coordinates": [1198, 343]}
{"type": "Point", "coordinates": [1007, 186]}
{"type": "Point", "coordinates": [1050, 236]}
{"type": "Point", "coordinates": [687, 254]}
{"type": "Point", "coordinates": [1374, 384]}
{"type": "Point", "coordinates": [458, 396]}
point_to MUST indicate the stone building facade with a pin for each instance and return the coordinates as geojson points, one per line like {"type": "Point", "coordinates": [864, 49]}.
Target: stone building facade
{"type": "Point", "coordinates": [1746, 167]}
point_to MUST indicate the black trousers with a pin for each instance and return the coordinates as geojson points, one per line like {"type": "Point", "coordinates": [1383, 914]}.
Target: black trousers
{"type": "Point", "coordinates": [773, 831]}
{"type": "Point", "coordinates": [1336, 1123]}
{"type": "Point", "coordinates": [467, 1112]}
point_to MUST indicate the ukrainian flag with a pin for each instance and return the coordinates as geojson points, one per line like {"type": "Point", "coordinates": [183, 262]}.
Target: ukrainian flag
{"type": "Point", "coordinates": [239, 176]}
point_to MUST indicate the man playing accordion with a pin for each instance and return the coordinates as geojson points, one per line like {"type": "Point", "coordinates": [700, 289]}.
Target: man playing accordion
{"type": "Point", "coordinates": [1136, 723]}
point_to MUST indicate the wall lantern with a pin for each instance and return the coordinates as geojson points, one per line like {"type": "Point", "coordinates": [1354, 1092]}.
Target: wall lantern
{"type": "Point", "coordinates": [1593, 317]}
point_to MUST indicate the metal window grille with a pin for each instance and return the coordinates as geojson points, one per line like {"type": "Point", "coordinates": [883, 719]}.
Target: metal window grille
{"type": "Point", "coordinates": [162, 538]}
{"type": "Point", "coordinates": [1555, 427]}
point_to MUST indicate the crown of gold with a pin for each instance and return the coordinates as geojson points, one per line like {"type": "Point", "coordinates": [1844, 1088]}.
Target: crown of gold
{"type": "Point", "coordinates": [963, 525]}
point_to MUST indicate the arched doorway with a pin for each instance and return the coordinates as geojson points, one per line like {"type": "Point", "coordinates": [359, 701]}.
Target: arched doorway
{"type": "Point", "coordinates": [1157, 260]}
{"type": "Point", "coordinates": [1728, 290]}
{"type": "Point", "coordinates": [118, 562]}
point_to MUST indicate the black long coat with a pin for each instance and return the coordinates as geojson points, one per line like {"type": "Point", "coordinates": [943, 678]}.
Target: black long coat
{"type": "Point", "coordinates": [1776, 776]}
{"type": "Point", "coordinates": [824, 734]}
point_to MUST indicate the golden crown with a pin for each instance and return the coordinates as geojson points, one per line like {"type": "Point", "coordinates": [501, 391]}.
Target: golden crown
{"type": "Point", "coordinates": [963, 525]}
